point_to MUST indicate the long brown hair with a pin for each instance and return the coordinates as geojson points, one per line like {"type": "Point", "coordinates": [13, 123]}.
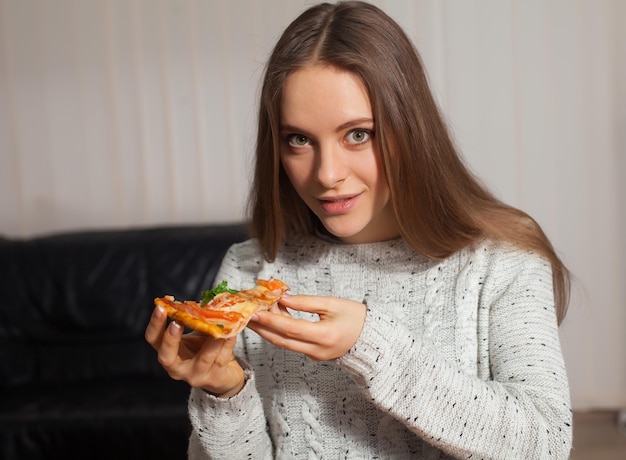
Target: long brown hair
{"type": "Point", "coordinates": [439, 204]}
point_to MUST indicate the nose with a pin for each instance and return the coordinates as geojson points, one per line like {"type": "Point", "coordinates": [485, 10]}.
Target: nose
{"type": "Point", "coordinates": [331, 168]}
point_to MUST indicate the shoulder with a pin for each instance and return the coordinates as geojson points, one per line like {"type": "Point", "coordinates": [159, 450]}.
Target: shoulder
{"type": "Point", "coordinates": [502, 265]}
{"type": "Point", "coordinates": [504, 257]}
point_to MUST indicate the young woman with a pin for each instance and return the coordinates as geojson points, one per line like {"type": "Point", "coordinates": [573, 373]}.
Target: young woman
{"type": "Point", "coordinates": [423, 315]}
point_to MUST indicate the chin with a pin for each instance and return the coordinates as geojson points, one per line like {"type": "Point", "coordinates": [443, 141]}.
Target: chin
{"type": "Point", "coordinates": [348, 236]}
{"type": "Point", "coordinates": [340, 233]}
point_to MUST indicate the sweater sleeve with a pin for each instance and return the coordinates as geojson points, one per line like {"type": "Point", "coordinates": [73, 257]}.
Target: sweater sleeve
{"type": "Point", "coordinates": [521, 411]}
{"type": "Point", "coordinates": [228, 428]}
{"type": "Point", "coordinates": [231, 427]}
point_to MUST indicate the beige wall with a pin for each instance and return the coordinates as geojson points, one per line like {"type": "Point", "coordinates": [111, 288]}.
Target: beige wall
{"type": "Point", "coordinates": [118, 113]}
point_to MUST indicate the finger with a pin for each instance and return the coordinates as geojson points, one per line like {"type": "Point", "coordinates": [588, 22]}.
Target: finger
{"type": "Point", "coordinates": [279, 310]}
{"type": "Point", "coordinates": [267, 323]}
{"type": "Point", "coordinates": [214, 352]}
{"type": "Point", "coordinates": [215, 365]}
{"type": "Point", "coordinates": [305, 303]}
{"type": "Point", "coordinates": [170, 345]}
{"type": "Point", "coordinates": [156, 327]}
{"type": "Point", "coordinates": [299, 345]}
{"type": "Point", "coordinates": [226, 353]}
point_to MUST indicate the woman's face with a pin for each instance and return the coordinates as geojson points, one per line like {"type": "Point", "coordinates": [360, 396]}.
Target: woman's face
{"type": "Point", "coordinates": [329, 154]}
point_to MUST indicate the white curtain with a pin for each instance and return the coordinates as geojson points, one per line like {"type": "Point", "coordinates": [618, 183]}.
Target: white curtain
{"type": "Point", "coordinates": [118, 113]}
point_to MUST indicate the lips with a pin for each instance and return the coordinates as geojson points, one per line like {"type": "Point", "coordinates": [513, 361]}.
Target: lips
{"type": "Point", "coordinates": [338, 205]}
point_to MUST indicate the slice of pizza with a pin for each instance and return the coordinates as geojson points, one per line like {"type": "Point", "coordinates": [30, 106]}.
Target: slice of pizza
{"type": "Point", "coordinates": [224, 312]}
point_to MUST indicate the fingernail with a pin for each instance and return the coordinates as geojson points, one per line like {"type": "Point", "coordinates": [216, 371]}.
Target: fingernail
{"type": "Point", "coordinates": [159, 311]}
{"type": "Point", "coordinates": [174, 328]}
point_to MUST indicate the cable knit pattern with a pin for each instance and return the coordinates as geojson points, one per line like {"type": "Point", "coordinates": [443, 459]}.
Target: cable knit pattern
{"type": "Point", "coordinates": [457, 359]}
{"type": "Point", "coordinates": [278, 401]}
{"type": "Point", "coordinates": [350, 424]}
{"type": "Point", "coordinates": [311, 411]}
{"type": "Point", "coordinates": [432, 300]}
{"type": "Point", "coordinates": [467, 290]}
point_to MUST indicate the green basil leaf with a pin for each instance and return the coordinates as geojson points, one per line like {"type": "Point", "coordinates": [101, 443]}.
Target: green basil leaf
{"type": "Point", "coordinates": [207, 296]}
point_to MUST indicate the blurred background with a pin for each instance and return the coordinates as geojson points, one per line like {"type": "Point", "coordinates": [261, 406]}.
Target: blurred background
{"type": "Point", "coordinates": [134, 113]}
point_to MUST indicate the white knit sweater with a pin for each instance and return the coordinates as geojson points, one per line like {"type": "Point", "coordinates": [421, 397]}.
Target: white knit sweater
{"type": "Point", "coordinates": [457, 359]}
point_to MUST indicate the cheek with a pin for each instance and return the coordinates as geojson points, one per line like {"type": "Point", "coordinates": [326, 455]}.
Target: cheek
{"type": "Point", "coordinates": [378, 182]}
{"type": "Point", "coordinates": [382, 192]}
{"type": "Point", "coordinates": [372, 172]}
{"type": "Point", "coordinates": [296, 170]}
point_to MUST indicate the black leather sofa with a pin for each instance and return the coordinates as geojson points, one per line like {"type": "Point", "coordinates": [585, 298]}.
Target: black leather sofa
{"type": "Point", "coordinates": [77, 379]}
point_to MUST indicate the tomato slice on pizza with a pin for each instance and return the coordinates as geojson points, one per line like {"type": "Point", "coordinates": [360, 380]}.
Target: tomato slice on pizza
{"type": "Point", "coordinates": [224, 312]}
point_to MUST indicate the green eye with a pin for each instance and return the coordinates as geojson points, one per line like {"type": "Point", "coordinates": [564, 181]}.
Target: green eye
{"type": "Point", "coordinates": [358, 136]}
{"type": "Point", "coordinates": [298, 140]}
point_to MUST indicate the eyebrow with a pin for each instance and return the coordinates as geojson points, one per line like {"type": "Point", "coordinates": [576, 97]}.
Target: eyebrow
{"type": "Point", "coordinates": [346, 125]}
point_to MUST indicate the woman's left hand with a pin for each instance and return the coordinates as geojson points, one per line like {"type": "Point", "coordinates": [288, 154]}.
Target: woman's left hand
{"type": "Point", "coordinates": [339, 326]}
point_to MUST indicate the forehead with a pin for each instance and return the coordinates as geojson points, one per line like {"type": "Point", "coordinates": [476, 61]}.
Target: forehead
{"type": "Point", "coordinates": [317, 93]}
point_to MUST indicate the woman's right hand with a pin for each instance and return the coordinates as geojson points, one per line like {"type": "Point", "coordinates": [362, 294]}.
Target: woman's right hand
{"type": "Point", "coordinates": [198, 359]}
